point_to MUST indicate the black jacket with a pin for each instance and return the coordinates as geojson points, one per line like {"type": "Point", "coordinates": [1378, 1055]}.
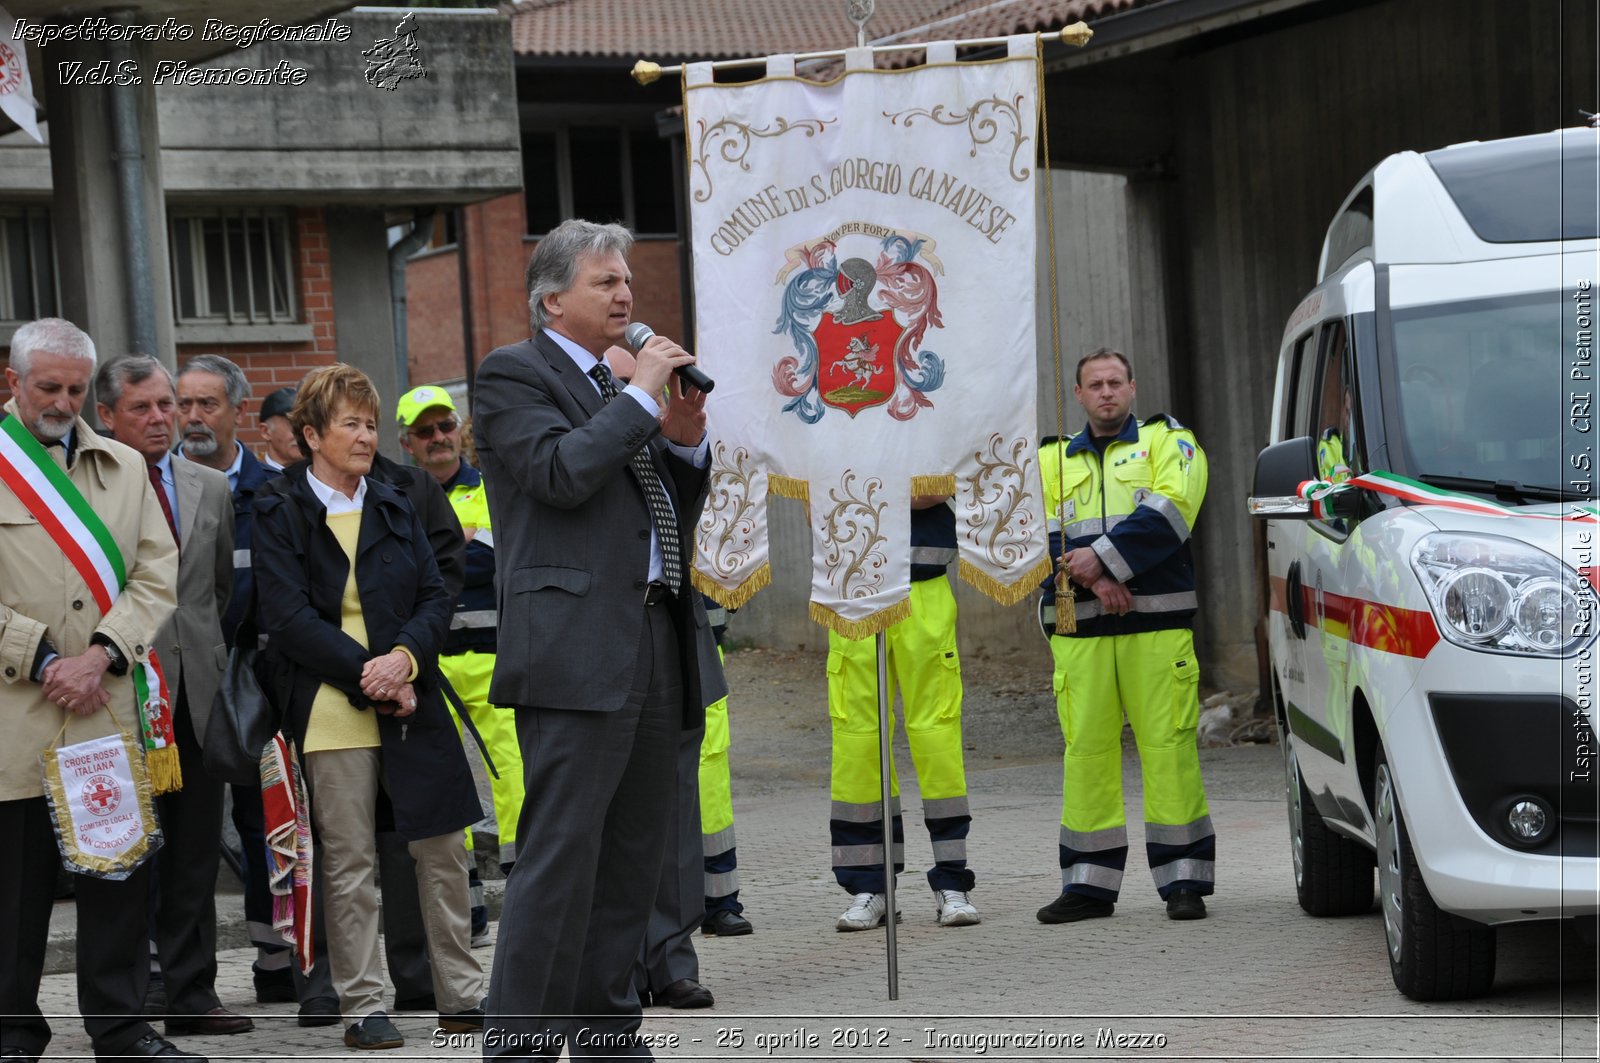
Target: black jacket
{"type": "Point", "coordinates": [300, 573]}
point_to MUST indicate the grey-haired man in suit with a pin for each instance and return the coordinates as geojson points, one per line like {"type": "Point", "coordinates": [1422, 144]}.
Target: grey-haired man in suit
{"type": "Point", "coordinates": [594, 502]}
{"type": "Point", "coordinates": [137, 402]}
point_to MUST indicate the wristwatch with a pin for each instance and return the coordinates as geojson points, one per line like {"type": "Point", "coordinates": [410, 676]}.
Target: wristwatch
{"type": "Point", "coordinates": [116, 663]}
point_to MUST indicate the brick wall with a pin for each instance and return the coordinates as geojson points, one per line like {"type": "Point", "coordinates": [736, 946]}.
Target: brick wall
{"type": "Point", "coordinates": [497, 259]}
{"type": "Point", "coordinates": [270, 366]}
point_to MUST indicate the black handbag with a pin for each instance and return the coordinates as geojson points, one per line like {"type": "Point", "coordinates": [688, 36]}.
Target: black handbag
{"type": "Point", "coordinates": [244, 715]}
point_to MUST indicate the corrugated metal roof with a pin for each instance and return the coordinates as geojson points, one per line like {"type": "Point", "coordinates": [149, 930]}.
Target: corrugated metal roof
{"type": "Point", "coordinates": [669, 30]}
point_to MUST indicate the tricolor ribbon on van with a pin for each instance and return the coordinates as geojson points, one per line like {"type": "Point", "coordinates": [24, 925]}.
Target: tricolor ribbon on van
{"type": "Point", "coordinates": [1318, 492]}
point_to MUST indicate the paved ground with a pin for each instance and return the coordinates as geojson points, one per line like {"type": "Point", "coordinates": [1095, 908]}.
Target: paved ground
{"type": "Point", "coordinates": [1257, 980]}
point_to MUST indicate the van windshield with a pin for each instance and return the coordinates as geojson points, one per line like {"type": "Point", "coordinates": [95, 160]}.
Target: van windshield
{"type": "Point", "coordinates": [1498, 391]}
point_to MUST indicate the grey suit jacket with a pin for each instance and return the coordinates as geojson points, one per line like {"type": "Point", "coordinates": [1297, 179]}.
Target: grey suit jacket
{"type": "Point", "coordinates": [190, 643]}
{"type": "Point", "coordinates": [572, 536]}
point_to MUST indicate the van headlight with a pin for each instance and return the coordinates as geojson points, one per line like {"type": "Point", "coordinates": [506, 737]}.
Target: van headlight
{"type": "Point", "coordinates": [1504, 596]}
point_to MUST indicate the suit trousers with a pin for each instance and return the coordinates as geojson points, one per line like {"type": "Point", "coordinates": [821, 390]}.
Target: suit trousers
{"type": "Point", "coordinates": [680, 905]}
{"type": "Point", "coordinates": [344, 804]}
{"type": "Point", "coordinates": [113, 951]}
{"type": "Point", "coordinates": [599, 795]}
{"type": "Point", "coordinates": [186, 870]}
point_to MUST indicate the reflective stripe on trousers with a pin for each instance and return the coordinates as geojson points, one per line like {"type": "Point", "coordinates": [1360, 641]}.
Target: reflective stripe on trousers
{"type": "Point", "coordinates": [924, 665]}
{"type": "Point", "coordinates": [1153, 678]}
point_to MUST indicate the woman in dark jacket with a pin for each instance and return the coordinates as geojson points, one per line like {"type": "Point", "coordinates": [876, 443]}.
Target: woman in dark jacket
{"type": "Point", "coordinates": [366, 712]}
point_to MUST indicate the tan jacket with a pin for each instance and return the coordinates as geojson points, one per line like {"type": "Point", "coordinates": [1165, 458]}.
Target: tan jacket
{"type": "Point", "coordinates": [42, 594]}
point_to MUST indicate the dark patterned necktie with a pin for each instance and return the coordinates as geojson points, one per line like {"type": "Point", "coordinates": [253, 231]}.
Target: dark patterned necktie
{"type": "Point", "coordinates": [655, 494]}
{"type": "Point", "coordinates": [161, 496]}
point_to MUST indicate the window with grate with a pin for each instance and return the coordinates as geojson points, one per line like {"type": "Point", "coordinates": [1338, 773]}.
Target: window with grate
{"type": "Point", "coordinates": [27, 265]}
{"type": "Point", "coordinates": [233, 267]}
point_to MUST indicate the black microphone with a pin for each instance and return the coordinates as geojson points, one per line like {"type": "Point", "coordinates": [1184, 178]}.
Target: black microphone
{"type": "Point", "coordinates": [639, 334]}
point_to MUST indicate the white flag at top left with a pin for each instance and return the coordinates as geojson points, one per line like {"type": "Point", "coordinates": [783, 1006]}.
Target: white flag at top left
{"type": "Point", "coordinates": [16, 88]}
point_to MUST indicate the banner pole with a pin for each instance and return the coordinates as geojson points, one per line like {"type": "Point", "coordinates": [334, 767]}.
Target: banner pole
{"type": "Point", "coordinates": [860, 12]}
{"type": "Point", "coordinates": [891, 940]}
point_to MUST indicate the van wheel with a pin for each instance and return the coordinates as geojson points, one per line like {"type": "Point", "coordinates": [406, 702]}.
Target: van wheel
{"type": "Point", "coordinates": [1332, 874]}
{"type": "Point", "coordinates": [1433, 955]}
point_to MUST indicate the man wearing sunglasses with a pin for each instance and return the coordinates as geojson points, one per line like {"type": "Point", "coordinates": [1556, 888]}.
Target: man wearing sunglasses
{"type": "Point", "coordinates": [431, 432]}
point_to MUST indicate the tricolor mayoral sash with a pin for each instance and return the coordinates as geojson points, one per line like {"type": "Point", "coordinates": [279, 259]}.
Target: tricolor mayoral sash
{"type": "Point", "coordinates": [79, 533]}
{"type": "Point", "coordinates": [864, 268]}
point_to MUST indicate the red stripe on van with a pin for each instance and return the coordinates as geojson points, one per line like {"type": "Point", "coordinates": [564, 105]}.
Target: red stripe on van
{"type": "Point", "coordinates": [1390, 628]}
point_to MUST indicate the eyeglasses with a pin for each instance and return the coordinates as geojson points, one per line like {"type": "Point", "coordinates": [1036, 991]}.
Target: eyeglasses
{"type": "Point", "coordinates": [426, 431]}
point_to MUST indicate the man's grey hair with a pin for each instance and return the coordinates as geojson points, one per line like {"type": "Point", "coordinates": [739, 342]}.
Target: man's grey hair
{"type": "Point", "coordinates": [52, 335]}
{"type": "Point", "coordinates": [234, 383]}
{"type": "Point", "coordinates": [114, 377]}
{"type": "Point", "coordinates": [554, 265]}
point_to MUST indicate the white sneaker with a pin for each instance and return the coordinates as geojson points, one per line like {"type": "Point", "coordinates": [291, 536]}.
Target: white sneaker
{"type": "Point", "coordinates": [865, 912]}
{"type": "Point", "coordinates": [955, 908]}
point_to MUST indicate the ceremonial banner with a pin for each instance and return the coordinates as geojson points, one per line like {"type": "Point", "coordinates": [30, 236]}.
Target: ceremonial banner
{"type": "Point", "coordinates": [864, 297]}
{"type": "Point", "coordinates": [100, 801]}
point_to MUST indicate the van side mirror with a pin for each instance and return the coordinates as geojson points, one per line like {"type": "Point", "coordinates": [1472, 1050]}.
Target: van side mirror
{"type": "Point", "coordinates": [1280, 470]}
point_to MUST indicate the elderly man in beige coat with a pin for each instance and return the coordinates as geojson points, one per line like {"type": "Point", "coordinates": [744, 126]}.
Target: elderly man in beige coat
{"type": "Point", "coordinates": [63, 662]}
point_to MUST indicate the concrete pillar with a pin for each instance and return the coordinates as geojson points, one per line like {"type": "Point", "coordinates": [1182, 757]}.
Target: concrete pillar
{"type": "Point", "coordinates": [87, 210]}
{"type": "Point", "coordinates": [358, 253]}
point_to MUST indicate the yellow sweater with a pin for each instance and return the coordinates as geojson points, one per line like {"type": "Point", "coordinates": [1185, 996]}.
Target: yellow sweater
{"type": "Point", "coordinates": [335, 723]}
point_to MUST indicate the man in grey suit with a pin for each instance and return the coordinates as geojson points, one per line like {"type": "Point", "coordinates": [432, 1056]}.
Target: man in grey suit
{"type": "Point", "coordinates": [138, 404]}
{"type": "Point", "coordinates": [605, 653]}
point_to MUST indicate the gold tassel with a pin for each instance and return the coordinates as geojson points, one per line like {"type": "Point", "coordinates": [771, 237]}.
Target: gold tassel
{"type": "Point", "coordinates": [738, 597]}
{"type": "Point", "coordinates": [856, 630]}
{"type": "Point", "coordinates": [944, 484]}
{"type": "Point", "coordinates": [1066, 606]}
{"type": "Point", "coordinates": [788, 487]}
{"type": "Point", "coordinates": [1005, 593]}
{"type": "Point", "coordinates": [166, 774]}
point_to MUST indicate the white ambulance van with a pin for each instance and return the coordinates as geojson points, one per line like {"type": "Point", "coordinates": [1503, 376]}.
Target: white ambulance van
{"type": "Point", "coordinates": [1433, 615]}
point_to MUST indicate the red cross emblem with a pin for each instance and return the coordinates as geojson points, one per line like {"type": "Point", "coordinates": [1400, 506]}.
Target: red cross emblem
{"type": "Point", "coordinates": [102, 795]}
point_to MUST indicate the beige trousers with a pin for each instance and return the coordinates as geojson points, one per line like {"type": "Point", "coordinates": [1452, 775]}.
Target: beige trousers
{"type": "Point", "coordinates": [344, 805]}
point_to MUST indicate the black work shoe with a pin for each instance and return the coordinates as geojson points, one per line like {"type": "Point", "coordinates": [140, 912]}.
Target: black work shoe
{"type": "Point", "coordinates": [1071, 907]}
{"type": "Point", "coordinates": [726, 924]}
{"type": "Point", "coordinates": [1186, 904]}
{"type": "Point", "coordinates": [469, 1021]}
{"type": "Point", "coordinates": [153, 1046]}
{"type": "Point", "coordinates": [274, 987]}
{"type": "Point", "coordinates": [374, 1031]}
{"type": "Point", "coordinates": [319, 1011]}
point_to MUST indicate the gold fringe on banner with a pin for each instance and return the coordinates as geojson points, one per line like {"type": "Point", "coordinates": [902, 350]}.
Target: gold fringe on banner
{"type": "Point", "coordinates": [738, 597]}
{"type": "Point", "coordinates": [1005, 593]}
{"type": "Point", "coordinates": [933, 485]}
{"type": "Point", "coordinates": [166, 774]}
{"type": "Point", "coordinates": [864, 628]}
{"type": "Point", "coordinates": [788, 487]}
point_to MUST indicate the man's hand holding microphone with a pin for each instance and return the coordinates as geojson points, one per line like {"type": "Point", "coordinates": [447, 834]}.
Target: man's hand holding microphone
{"type": "Point", "coordinates": [656, 360]}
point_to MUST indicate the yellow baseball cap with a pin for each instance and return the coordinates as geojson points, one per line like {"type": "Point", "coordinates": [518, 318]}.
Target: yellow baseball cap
{"type": "Point", "coordinates": [417, 401]}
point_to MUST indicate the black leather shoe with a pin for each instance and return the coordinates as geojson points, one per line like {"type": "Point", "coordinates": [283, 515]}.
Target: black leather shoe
{"type": "Point", "coordinates": [374, 1031]}
{"type": "Point", "coordinates": [469, 1021]}
{"type": "Point", "coordinates": [12, 1052]}
{"type": "Point", "coordinates": [319, 1011]}
{"type": "Point", "coordinates": [151, 1046]}
{"type": "Point", "coordinates": [685, 993]}
{"type": "Point", "coordinates": [726, 924]}
{"type": "Point", "coordinates": [1071, 907]}
{"type": "Point", "coordinates": [219, 1020]}
{"type": "Point", "coordinates": [1186, 904]}
{"type": "Point", "coordinates": [274, 987]}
